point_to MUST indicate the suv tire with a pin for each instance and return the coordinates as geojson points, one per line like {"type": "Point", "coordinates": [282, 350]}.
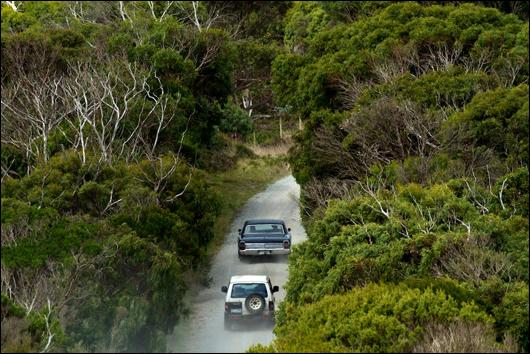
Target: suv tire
{"type": "Point", "coordinates": [255, 303]}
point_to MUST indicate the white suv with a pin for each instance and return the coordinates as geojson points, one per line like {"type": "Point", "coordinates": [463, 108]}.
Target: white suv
{"type": "Point", "coordinates": [249, 297]}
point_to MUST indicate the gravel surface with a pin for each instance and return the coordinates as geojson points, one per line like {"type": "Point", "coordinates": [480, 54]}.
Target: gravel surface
{"type": "Point", "coordinates": [203, 331]}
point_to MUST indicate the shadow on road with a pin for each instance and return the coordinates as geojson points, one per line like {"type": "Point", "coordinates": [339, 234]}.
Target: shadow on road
{"type": "Point", "coordinates": [249, 326]}
{"type": "Point", "coordinates": [264, 259]}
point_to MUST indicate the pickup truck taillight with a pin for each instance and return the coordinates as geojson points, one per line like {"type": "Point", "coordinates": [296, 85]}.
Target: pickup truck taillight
{"type": "Point", "coordinates": [286, 244]}
{"type": "Point", "coordinates": [242, 245]}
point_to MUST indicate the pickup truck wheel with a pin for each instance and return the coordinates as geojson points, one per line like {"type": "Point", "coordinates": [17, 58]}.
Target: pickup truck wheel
{"type": "Point", "coordinates": [255, 303]}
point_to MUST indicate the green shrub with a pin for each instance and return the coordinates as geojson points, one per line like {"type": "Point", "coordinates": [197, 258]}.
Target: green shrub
{"type": "Point", "coordinates": [375, 318]}
{"type": "Point", "coordinates": [235, 120]}
{"type": "Point", "coordinates": [512, 314]}
{"type": "Point", "coordinates": [495, 120]}
{"type": "Point", "coordinates": [436, 237]}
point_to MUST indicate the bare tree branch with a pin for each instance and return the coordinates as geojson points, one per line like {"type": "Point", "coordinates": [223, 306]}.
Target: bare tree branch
{"type": "Point", "coordinates": [49, 335]}
{"type": "Point", "coordinates": [13, 4]}
{"type": "Point", "coordinates": [31, 109]}
{"type": "Point", "coordinates": [472, 259]}
{"type": "Point", "coordinates": [500, 193]}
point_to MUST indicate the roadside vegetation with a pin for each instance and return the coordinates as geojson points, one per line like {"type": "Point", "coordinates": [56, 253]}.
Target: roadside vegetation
{"type": "Point", "coordinates": [413, 163]}
{"type": "Point", "coordinates": [126, 129]}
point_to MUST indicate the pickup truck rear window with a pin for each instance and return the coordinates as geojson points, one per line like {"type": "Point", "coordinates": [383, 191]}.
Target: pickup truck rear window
{"type": "Point", "coordinates": [264, 229]}
{"type": "Point", "coordinates": [244, 290]}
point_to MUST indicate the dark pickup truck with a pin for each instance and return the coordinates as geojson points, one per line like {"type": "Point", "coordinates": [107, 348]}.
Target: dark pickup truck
{"type": "Point", "coordinates": [264, 237]}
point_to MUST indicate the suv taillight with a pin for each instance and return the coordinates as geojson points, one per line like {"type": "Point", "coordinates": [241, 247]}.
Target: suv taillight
{"type": "Point", "coordinates": [286, 244]}
{"type": "Point", "coordinates": [271, 306]}
{"type": "Point", "coordinates": [242, 245]}
{"type": "Point", "coordinates": [226, 306]}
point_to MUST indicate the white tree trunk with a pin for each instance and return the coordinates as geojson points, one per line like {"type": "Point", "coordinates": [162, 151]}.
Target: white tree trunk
{"type": "Point", "coordinates": [281, 130]}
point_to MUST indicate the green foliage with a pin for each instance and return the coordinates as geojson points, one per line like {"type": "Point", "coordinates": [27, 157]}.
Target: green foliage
{"type": "Point", "coordinates": [349, 11]}
{"type": "Point", "coordinates": [285, 71]}
{"type": "Point", "coordinates": [21, 334]}
{"type": "Point", "coordinates": [235, 120]}
{"type": "Point", "coordinates": [26, 332]}
{"type": "Point", "coordinates": [376, 318]}
{"type": "Point", "coordinates": [13, 158]}
{"type": "Point", "coordinates": [252, 71]}
{"type": "Point", "coordinates": [14, 20]}
{"type": "Point", "coordinates": [496, 120]}
{"type": "Point", "coordinates": [32, 53]}
{"type": "Point", "coordinates": [259, 20]}
{"type": "Point", "coordinates": [451, 88]}
{"type": "Point", "coordinates": [169, 63]}
{"type": "Point", "coordinates": [512, 314]}
{"type": "Point", "coordinates": [155, 234]}
{"type": "Point", "coordinates": [313, 85]}
{"type": "Point", "coordinates": [309, 159]}
{"type": "Point", "coordinates": [423, 236]}
{"type": "Point", "coordinates": [9, 308]}
{"type": "Point", "coordinates": [302, 22]}
{"type": "Point", "coordinates": [215, 80]}
{"type": "Point", "coordinates": [425, 57]}
{"type": "Point", "coordinates": [147, 302]}
{"type": "Point", "coordinates": [71, 44]}
{"type": "Point", "coordinates": [55, 242]}
{"type": "Point", "coordinates": [441, 216]}
{"type": "Point", "coordinates": [32, 15]}
{"type": "Point", "coordinates": [416, 121]}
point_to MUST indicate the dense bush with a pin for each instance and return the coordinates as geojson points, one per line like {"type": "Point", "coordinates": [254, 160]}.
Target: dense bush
{"type": "Point", "coordinates": [376, 318]}
{"type": "Point", "coordinates": [495, 120]}
{"type": "Point", "coordinates": [151, 238]}
{"type": "Point", "coordinates": [427, 232]}
{"type": "Point", "coordinates": [427, 61]}
{"type": "Point", "coordinates": [113, 115]}
{"type": "Point", "coordinates": [25, 333]}
{"type": "Point", "coordinates": [414, 170]}
{"type": "Point", "coordinates": [235, 120]}
{"type": "Point", "coordinates": [456, 237]}
{"type": "Point", "coordinates": [512, 314]}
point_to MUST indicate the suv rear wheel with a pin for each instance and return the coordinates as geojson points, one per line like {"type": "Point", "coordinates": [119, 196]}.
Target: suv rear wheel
{"type": "Point", "coordinates": [255, 303]}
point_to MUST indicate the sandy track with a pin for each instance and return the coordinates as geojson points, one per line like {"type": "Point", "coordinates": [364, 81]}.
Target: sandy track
{"type": "Point", "coordinates": [203, 331]}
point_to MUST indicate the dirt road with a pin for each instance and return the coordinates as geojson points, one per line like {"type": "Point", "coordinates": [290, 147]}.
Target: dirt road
{"type": "Point", "coordinates": [203, 331]}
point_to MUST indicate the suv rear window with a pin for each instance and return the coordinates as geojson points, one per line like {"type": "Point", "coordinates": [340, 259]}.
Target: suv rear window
{"type": "Point", "coordinates": [264, 229]}
{"type": "Point", "coordinates": [244, 290]}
